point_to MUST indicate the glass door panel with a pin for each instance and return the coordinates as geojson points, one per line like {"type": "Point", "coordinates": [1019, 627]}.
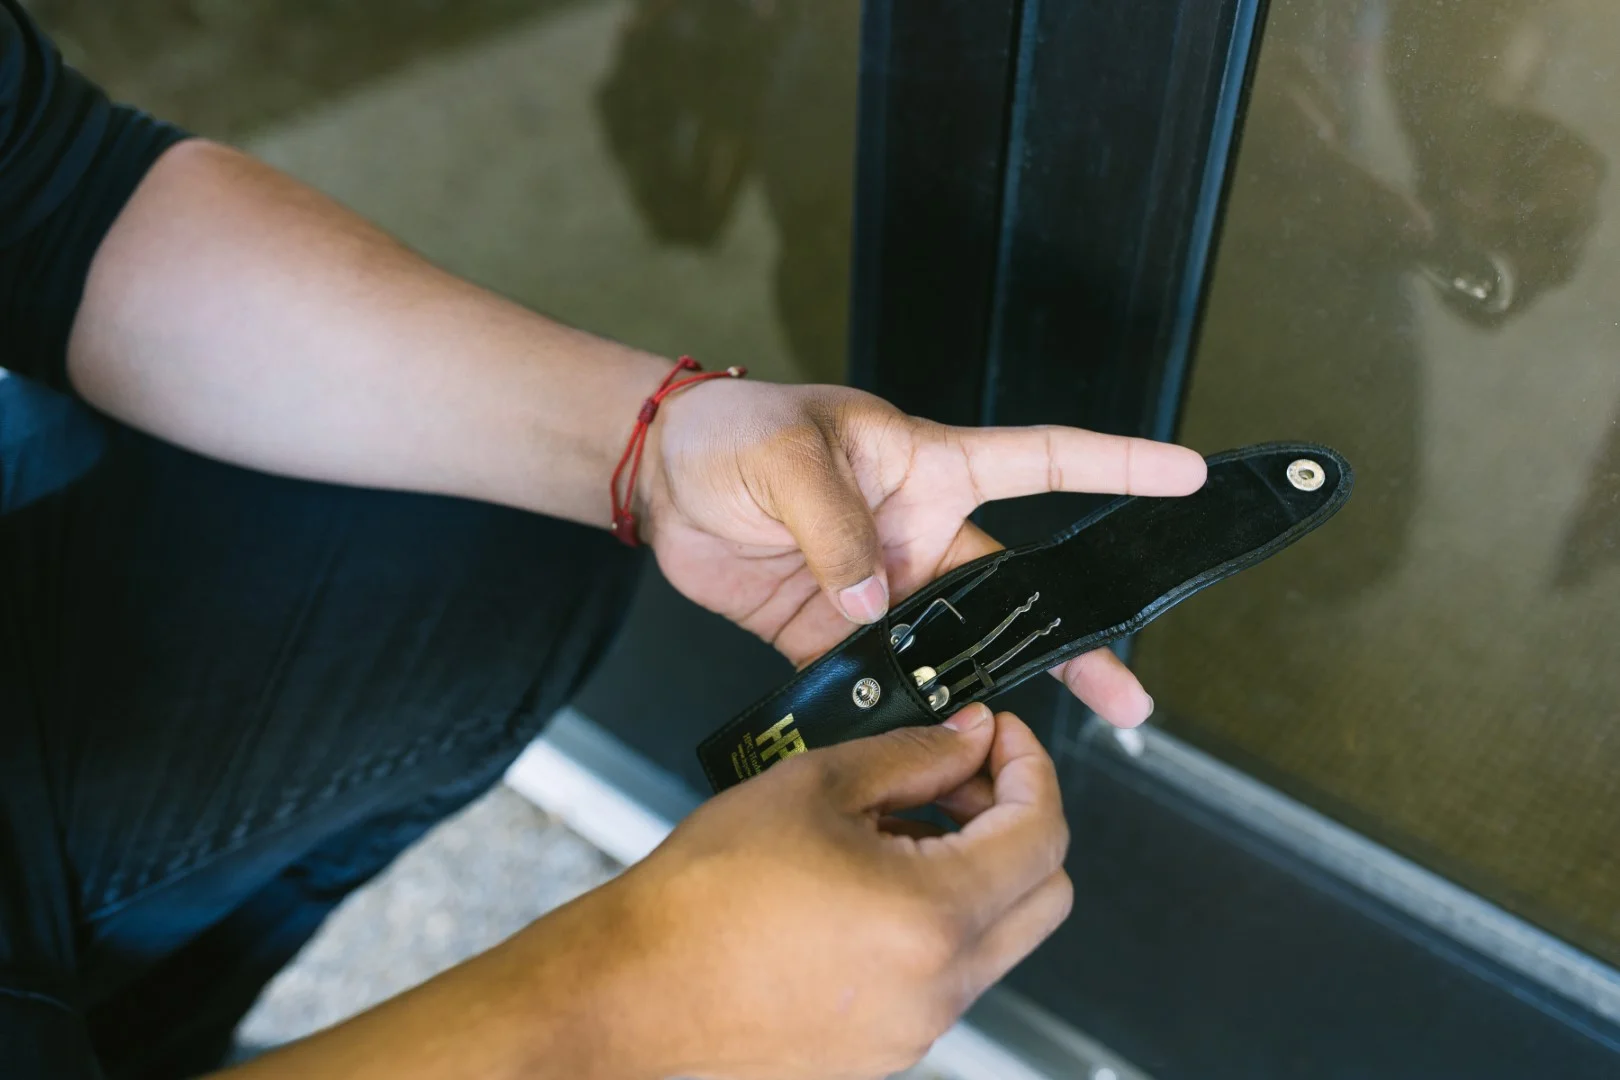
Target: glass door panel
{"type": "Point", "coordinates": [1420, 265]}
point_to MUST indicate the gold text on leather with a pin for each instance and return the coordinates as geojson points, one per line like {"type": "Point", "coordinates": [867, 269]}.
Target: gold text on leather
{"type": "Point", "coordinates": [780, 741]}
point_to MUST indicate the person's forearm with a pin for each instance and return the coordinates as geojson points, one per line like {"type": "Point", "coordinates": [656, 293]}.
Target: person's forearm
{"type": "Point", "coordinates": [566, 998]}
{"type": "Point", "coordinates": [233, 311]}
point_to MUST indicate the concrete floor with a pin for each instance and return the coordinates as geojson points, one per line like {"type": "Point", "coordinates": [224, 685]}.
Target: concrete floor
{"type": "Point", "coordinates": [470, 883]}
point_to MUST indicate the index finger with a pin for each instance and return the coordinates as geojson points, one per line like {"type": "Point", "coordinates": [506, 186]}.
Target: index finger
{"type": "Point", "coordinates": [1005, 463]}
{"type": "Point", "coordinates": [1019, 842]}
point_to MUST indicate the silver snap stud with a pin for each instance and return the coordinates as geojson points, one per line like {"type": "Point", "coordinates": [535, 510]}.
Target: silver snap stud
{"type": "Point", "coordinates": [866, 693]}
{"type": "Point", "coordinates": [1306, 475]}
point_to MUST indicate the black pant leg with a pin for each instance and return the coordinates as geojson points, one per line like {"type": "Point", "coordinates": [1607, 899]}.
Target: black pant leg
{"type": "Point", "coordinates": [243, 676]}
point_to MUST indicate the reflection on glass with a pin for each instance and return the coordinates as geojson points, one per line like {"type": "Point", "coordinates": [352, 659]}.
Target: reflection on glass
{"type": "Point", "coordinates": [675, 173]}
{"type": "Point", "coordinates": [777, 100]}
{"type": "Point", "coordinates": [1419, 265]}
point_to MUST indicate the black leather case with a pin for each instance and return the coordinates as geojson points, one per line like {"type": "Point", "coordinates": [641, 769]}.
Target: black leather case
{"type": "Point", "coordinates": [1030, 609]}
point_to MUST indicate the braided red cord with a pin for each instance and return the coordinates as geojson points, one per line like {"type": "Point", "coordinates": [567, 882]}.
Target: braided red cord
{"type": "Point", "coordinates": [624, 519]}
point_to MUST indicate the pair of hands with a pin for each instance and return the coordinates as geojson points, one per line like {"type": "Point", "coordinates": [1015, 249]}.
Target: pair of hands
{"type": "Point", "coordinates": [789, 928]}
{"type": "Point", "coordinates": [794, 927]}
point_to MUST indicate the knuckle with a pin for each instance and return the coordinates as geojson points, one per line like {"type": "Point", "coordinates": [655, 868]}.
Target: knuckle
{"type": "Point", "coordinates": [908, 1050]}
{"type": "Point", "coordinates": [929, 940]}
{"type": "Point", "coordinates": [914, 1032]}
{"type": "Point", "coordinates": [801, 435]}
{"type": "Point", "coordinates": [935, 1016]}
{"type": "Point", "coordinates": [1065, 904]}
{"type": "Point", "coordinates": [911, 1057]}
{"type": "Point", "coordinates": [800, 776]}
{"type": "Point", "coordinates": [808, 772]}
{"type": "Point", "coordinates": [913, 741]}
{"type": "Point", "coordinates": [834, 779]}
{"type": "Point", "coordinates": [848, 566]}
{"type": "Point", "coordinates": [1059, 850]}
{"type": "Point", "coordinates": [802, 447]}
{"type": "Point", "coordinates": [793, 454]}
{"type": "Point", "coordinates": [847, 520]}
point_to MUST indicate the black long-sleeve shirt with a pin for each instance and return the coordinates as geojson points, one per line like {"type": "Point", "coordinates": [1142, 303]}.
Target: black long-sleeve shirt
{"type": "Point", "coordinates": [69, 161]}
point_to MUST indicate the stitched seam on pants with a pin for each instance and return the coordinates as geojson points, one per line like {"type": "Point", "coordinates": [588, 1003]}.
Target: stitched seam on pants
{"type": "Point", "coordinates": [35, 996]}
{"type": "Point", "coordinates": [208, 856]}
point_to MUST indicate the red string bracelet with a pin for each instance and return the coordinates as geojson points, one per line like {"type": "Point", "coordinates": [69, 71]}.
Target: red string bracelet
{"type": "Point", "coordinates": [624, 519]}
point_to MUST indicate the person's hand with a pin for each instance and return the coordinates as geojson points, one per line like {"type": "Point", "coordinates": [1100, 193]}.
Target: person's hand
{"type": "Point", "coordinates": [796, 511]}
{"type": "Point", "coordinates": [791, 929]}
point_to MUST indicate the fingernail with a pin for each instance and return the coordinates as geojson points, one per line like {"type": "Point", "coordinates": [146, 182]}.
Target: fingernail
{"type": "Point", "coordinates": [974, 716]}
{"type": "Point", "coordinates": [866, 602]}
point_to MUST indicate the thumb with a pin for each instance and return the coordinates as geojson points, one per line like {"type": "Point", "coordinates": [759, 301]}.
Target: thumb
{"type": "Point", "coordinates": [913, 766]}
{"type": "Point", "coordinates": [820, 502]}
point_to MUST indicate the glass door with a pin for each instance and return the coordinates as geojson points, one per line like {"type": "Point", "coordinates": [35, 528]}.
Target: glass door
{"type": "Point", "coordinates": [1419, 266]}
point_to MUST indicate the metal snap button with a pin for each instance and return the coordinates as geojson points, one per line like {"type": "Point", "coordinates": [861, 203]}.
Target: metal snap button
{"type": "Point", "coordinates": [866, 693]}
{"type": "Point", "coordinates": [1306, 475]}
